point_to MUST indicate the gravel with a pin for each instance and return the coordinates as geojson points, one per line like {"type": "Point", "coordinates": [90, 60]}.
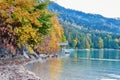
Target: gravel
{"type": "Point", "coordinates": [16, 72]}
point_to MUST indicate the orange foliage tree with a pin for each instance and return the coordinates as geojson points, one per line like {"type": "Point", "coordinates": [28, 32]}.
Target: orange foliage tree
{"type": "Point", "coordinates": [23, 22]}
{"type": "Point", "coordinates": [51, 42]}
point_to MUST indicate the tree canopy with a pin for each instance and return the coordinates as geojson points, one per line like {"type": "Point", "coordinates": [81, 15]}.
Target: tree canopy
{"type": "Point", "coordinates": [24, 22]}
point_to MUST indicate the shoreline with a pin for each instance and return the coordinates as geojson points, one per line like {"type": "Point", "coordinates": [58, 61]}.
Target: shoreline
{"type": "Point", "coordinates": [15, 70]}
{"type": "Point", "coordinates": [94, 49]}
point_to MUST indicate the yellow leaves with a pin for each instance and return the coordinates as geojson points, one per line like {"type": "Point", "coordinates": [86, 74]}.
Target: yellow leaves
{"type": "Point", "coordinates": [24, 4]}
{"type": "Point", "coordinates": [30, 22]}
{"type": "Point", "coordinates": [57, 29]}
{"type": "Point", "coordinates": [87, 44]}
{"type": "Point", "coordinates": [30, 50]}
{"type": "Point", "coordinates": [75, 41]}
{"type": "Point", "coordinates": [26, 17]}
{"type": "Point", "coordinates": [25, 14]}
{"type": "Point", "coordinates": [4, 5]}
{"type": "Point", "coordinates": [20, 14]}
{"type": "Point", "coordinates": [50, 45]}
{"type": "Point", "coordinates": [9, 20]}
{"type": "Point", "coordinates": [1, 1]}
{"type": "Point", "coordinates": [116, 40]}
{"type": "Point", "coordinates": [27, 34]}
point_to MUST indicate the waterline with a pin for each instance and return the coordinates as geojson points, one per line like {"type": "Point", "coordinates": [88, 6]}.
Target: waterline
{"type": "Point", "coordinates": [100, 59]}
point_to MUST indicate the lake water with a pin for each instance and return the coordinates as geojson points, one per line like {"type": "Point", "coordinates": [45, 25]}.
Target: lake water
{"type": "Point", "coordinates": [80, 65]}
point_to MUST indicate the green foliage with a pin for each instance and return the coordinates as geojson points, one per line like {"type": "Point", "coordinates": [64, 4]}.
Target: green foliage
{"type": "Point", "coordinates": [89, 39]}
{"type": "Point", "coordinates": [81, 24]}
{"type": "Point", "coordinates": [63, 38]}
{"type": "Point", "coordinates": [46, 24]}
{"type": "Point", "coordinates": [50, 44]}
{"type": "Point", "coordinates": [24, 22]}
{"type": "Point", "coordinates": [42, 6]}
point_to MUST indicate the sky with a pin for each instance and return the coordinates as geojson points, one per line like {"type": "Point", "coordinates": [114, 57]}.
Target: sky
{"type": "Point", "coordinates": [107, 8]}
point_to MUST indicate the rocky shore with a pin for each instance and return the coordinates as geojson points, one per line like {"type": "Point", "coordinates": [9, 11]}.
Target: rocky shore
{"type": "Point", "coordinates": [12, 66]}
{"type": "Point", "coordinates": [14, 70]}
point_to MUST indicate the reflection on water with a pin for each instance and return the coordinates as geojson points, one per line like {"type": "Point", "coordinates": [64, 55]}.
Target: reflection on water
{"type": "Point", "coordinates": [81, 65]}
{"type": "Point", "coordinates": [47, 71]}
{"type": "Point", "coordinates": [98, 54]}
{"type": "Point", "coordinates": [101, 55]}
{"type": "Point", "coordinates": [55, 69]}
{"type": "Point", "coordinates": [88, 54]}
{"type": "Point", "coordinates": [75, 55]}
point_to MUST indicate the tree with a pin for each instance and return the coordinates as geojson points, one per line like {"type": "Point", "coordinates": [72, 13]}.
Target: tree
{"type": "Point", "coordinates": [23, 22]}
{"type": "Point", "coordinates": [100, 43]}
{"type": "Point", "coordinates": [87, 44]}
{"type": "Point", "coordinates": [74, 43]}
{"type": "Point", "coordinates": [51, 41]}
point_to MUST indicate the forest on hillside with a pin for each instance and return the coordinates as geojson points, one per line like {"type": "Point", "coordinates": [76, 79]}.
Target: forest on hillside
{"type": "Point", "coordinates": [87, 20]}
{"type": "Point", "coordinates": [82, 38]}
{"type": "Point", "coordinates": [84, 30]}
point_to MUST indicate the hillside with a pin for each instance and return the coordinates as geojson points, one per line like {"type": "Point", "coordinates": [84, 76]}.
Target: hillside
{"type": "Point", "coordinates": [84, 30]}
{"type": "Point", "coordinates": [86, 20]}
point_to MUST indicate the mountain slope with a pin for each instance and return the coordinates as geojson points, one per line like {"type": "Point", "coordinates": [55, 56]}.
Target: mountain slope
{"type": "Point", "coordinates": [86, 20]}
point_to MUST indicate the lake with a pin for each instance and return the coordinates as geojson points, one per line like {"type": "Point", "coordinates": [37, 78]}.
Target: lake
{"type": "Point", "coordinates": [80, 65]}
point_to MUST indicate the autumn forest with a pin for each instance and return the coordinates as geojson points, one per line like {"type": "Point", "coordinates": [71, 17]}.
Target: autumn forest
{"type": "Point", "coordinates": [28, 23]}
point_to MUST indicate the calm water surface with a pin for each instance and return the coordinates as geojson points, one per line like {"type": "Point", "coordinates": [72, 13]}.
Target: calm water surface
{"type": "Point", "coordinates": [80, 65]}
